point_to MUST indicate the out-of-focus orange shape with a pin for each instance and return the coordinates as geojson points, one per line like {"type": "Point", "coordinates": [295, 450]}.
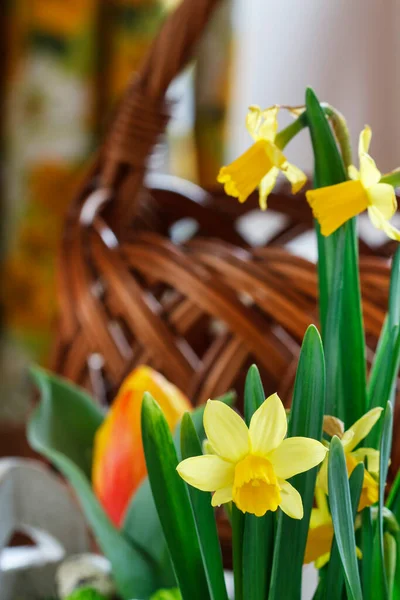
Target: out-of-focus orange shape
{"type": "Point", "coordinates": [118, 462]}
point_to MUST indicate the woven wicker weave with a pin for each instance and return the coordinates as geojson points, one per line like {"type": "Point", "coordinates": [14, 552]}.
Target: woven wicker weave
{"type": "Point", "coordinates": [200, 311]}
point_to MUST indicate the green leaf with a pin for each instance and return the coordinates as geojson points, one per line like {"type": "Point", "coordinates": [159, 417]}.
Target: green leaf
{"type": "Point", "coordinates": [86, 593]}
{"type": "Point", "coordinates": [367, 544]}
{"type": "Point", "coordinates": [393, 501]}
{"type": "Point", "coordinates": [339, 286]}
{"type": "Point", "coordinates": [380, 580]}
{"type": "Point", "coordinates": [342, 517]}
{"type": "Point", "coordinates": [258, 534]}
{"type": "Point", "coordinates": [142, 526]}
{"type": "Point", "coordinates": [237, 550]}
{"type": "Point", "coordinates": [66, 419]}
{"type": "Point", "coordinates": [62, 426]}
{"type": "Point", "coordinates": [334, 579]}
{"type": "Point", "coordinates": [306, 420]}
{"type": "Point", "coordinates": [384, 372]}
{"type": "Point", "coordinates": [169, 594]}
{"type": "Point", "coordinates": [204, 518]}
{"type": "Point", "coordinates": [390, 551]}
{"type": "Point", "coordinates": [172, 501]}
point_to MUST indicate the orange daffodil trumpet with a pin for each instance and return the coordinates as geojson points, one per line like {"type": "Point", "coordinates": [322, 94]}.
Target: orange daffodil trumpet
{"type": "Point", "coordinates": [350, 440]}
{"type": "Point", "coordinates": [260, 165]}
{"type": "Point", "coordinates": [332, 206]}
{"type": "Point", "coordinates": [251, 465]}
{"type": "Point", "coordinates": [118, 463]}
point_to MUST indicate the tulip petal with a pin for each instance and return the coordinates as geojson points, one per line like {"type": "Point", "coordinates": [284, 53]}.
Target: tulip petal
{"type": "Point", "coordinates": [226, 431]}
{"type": "Point", "coordinates": [296, 455]}
{"type": "Point", "coordinates": [361, 428]}
{"type": "Point", "coordinates": [207, 473]}
{"type": "Point", "coordinates": [222, 496]}
{"type": "Point", "coordinates": [268, 426]}
{"type": "Point", "coordinates": [291, 502]}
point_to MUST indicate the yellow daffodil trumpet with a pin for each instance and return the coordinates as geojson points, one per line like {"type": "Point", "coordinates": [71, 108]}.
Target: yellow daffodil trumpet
{"type": "Point", "coordinates": [350, 440]}
{"type": "Point", "coordinates": [333, 205]}
{"type": "Point", "coordinates": [260, 165]}
{"type": "Point", "coordinates": [250, 465]}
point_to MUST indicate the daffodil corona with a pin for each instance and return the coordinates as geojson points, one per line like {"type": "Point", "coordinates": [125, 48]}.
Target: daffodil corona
{"type": "Point", "coordinates": [261, 163]}
{"type": "Point", "coordinates": [251, 465]}
{"type": "Point", "coordinates": [350, 440]}
{"type": "Point", "coordinates": [334, 205]}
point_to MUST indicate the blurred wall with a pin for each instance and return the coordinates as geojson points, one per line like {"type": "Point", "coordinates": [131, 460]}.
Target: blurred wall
{"type": "Point", "coordinates": [348, 50]}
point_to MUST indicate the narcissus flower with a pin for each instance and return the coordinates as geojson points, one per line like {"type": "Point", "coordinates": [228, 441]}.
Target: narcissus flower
{"type": "Point", "coordinates": [261, 163]}
{"type": "Point", "coordinates": [320, 533]}
{"type": "Point", "coordinates": [118, 464]}
{"type": "Point", "coordinates": [350, 440]}
{"type": "Point", "coordinates": [332, 206]}
{"type": "Point", "coordinates": [251, 465]}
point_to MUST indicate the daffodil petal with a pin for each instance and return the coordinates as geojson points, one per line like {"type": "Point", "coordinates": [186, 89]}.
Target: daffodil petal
{"type": "Point", "coordinates": [353, 172]}
{"type": "Point", "coordinates": [291, 502]}
{"type": "Point", "coordinates": [253, 121]}
{"type": "Point", "coordinates": [266, 186]}
{"type": "Point", "coordinates": [207, 473]}
{"type": "Point", "coordinates": [379, 221]}
{"type": "Point", "coordinates": [364, 140]}
{"type": "Point", "coordinates": [369, 172]}
{"type": "Point", "coordinates": [222, 496]}
{"type": "Point", "coordinates": [322, 560]}
{"type": "Point", "coordinates": [269, 126]}
{"type": "Point", "coordinates": [296, 455]}
{"type": "Point", "coordinates": [383, 198]}
{"type": "Point", "coordinates": [322, 477]}
{"type": "Point", "coordinates": [226, 431]}
{"type": "Point", "coordinates": [295, 175]}
{"type": "Point", "coordinates": [361, 428]}
{"type": "Point", "coordinates": [372, 457]}
{"type": "Point", "coordinates": [334, 205]}
{"type": "Point", "coordinates": [268, 426]}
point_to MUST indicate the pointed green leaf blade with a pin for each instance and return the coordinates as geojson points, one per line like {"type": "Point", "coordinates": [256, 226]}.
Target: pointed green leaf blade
{"type": "Point", "coordinates": [172, 501]}
{"type": "Point", "coordinates": [204, 517]}
{"type": "Point", "coordinates": [342, 517]}
{"type": "Point", "coordinates": [258, 534]}
{"type": "Point", "coordinates": [306, 420]}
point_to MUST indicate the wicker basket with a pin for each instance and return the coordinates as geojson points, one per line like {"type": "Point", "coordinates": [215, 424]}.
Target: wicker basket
{"type": "Point", "coordinates": [200, 311]}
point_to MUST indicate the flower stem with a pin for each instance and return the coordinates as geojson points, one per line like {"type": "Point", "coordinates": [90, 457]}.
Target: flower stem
{"type": "Point", "coordinates": [392, 178]}
{"type": "Point", "coordinates": [339, 125]}
{"type": "Point", "coordinates": [237, 550]}
{"type": "Point", "coordinates": [340, 129]}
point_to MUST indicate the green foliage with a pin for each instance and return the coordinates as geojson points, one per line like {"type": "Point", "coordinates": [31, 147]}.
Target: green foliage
{"type": "Point", "coordinates": [172, 501]}
{"type": "Point", "coordinates": [339, 286]}
{"type": "Point", "coordinates": [305, 420]}
{"type": "Point", "coordinates": [62, 429]}
{"type": "Point", "coordinates": [168, 594]}
{"type": "Point", "coordinates": [258, 532]}
{"type": "Point", "coordinates": [86, 594]}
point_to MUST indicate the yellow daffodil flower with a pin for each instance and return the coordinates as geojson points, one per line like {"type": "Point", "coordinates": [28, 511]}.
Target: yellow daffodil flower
{"type": "Point", "coordinates": [320, 533]}
{"type": "Point", "coordinates": [251, 465]}
{"type": "Point", "coordinates": [350, 439]}
{"type": "Point", "coordinates": [334, 205]}
{"type": "Point", "coordinates": [261, 163]}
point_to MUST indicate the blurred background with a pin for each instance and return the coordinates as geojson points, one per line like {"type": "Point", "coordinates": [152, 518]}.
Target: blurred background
{"type": "Point", "coordinates": [65, 63]}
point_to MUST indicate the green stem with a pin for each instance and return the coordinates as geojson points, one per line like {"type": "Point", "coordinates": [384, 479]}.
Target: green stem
{"type": "Point", "coordinates": [237, 550]}
{"type": "Point", "coordinates": [288, 133]}
{"type": "Point", "coordinates": [339, 125]}
{"type": "Point", "coordinates": [342, 134]}
{"type": "Point", "coordinates": [392, 178]}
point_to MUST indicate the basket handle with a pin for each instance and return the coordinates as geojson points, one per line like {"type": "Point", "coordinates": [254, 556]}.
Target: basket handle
{"type": "Point", "coordinates": [142, 114]}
